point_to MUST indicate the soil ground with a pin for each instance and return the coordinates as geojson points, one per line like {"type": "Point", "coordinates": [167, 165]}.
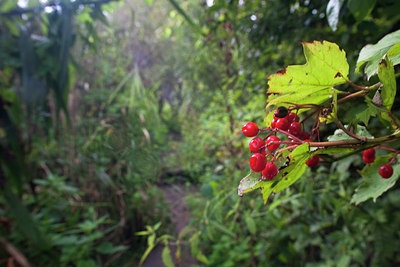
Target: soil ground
{"type": "Point", "coordinates": [175, 196]}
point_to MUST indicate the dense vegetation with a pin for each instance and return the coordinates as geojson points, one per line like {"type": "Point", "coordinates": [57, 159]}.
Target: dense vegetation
{"type": "Point", "coordinates": [104, 103]}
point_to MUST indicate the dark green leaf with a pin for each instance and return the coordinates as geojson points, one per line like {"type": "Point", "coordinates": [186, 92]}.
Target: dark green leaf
{"type": "Point", "coordinates": [109, 248]}
{"type": "Point", "coordinates": [361, 8]}
{"type": "Point", "coordinates": [373, 184]}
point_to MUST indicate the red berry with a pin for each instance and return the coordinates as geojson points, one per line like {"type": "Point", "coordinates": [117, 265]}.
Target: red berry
{"type": "Point", "coordinates": [369, 155]}
{"type": "Point", "coordinates": [250, 129]}
{"type": "Point", "coordinates": [368, 160]}
{"type": "Point", "coordinates": [386, 171]}
{"type": "Point", "coordinates": [270, 171]}
{"type": "Point", "coordinates": [255, 144]}
{"type": "Point", "coordinates": [282, 124]}
{"type": "Point", "coordinates": [292, 117]}
{"type": "Point", "coordinates": [281, 112]}
{"type": "Point", "coordinates": [295, 128]}
{"type": "Point", "coordinates": [273, 123]}
{"type": "Point", "coordinates": [312, 161]}
{"type": "Point", "coordinates": [270, 139]}
{"type": "Point", "coordinates": [257, 162]}
{"type": "Point", "coordinates": [304, 136]}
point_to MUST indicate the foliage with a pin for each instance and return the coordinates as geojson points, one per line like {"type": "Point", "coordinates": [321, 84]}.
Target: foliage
{"type": "Point", "coordinates": [100, 103]}
{"type": "Point", "coordinates": [310, 87]}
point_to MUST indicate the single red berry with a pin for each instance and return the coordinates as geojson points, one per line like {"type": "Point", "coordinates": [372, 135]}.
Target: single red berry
{"type": "Point", "coordinates": [257, 162]}
{"type": "Point", "coordinates": [282, 124]}
{"type": "Point", "coordinates": [250, 129]}
{"type": "Point", "coordinates": [273, 123]}
{"type": "Point", "coordinates": [369, 153]}
{"type": "Point", "coordinates": [295, 128]}
{"type": "Point", "coordinates": [292, 117]}
{"type": "Point", "coordinates": [281, 112]}
{"type": "Point", "coordinates": [386, 171]}
{"type": "Point", "coordinates": [368, 160]}
{"type": "Point", "coordinates": [312, 161]}
{"type": "Point", "coordinates": [270, 171]}
{"type": "Point", "coordinates": [255, 144]}
{"type": "Point", "coordinates": [304, 136]}
{"type": "Point", "coordinates": [270, 139]}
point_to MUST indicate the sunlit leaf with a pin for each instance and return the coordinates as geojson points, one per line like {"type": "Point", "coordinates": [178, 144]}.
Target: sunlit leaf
{"type": "Point", "coordinates": [249, 183]}
{"type": "Point", "coordinates": [332, 13]}
{"type": "Point", "coordinates": [372, 55]}
{"type": "Point", "coordinates": [307, 84]}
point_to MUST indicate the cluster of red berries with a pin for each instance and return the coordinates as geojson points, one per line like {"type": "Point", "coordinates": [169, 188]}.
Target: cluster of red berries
{"type": "Point", "coordinates": [285, 121]}
{"type": "Point", "coordinates": [385, 171]}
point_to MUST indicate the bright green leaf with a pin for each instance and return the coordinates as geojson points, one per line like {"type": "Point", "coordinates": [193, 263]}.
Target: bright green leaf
{"type": "Point", "coordinates": [394, 53]}
{"type": "Point", "coordinates": [287, 176]}
{"type": "Point", "coordinates": [387, 77]}
{"type": "Point", "coordinates": [361, 8]}
{"type": "Point", "coordinates": [166, 257]}
{"type": "Point", "coordinates": [307, 84]}
{"type": "Point", "coordinates": [373, 185]}
{"type": "Point", "coordinates": [373, 54]}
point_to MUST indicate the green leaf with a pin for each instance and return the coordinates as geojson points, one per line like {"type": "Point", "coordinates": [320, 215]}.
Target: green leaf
{"type": "Point", "coordinates": [86, 263]}
{"type": "Point", "coordinates": [387, 77]}
{"type": "Point", "coordinates": [287, 176]}
{"type": "Point", "coordinates": [249, 183]}
{"type": "Point", "coordinates": [145, 254]}
{"type": "Point", "coordinates": [166, 257]}
{"type": "Point", "coordinates": [251, 225]}
{"type": "Point", "coordinates": [394, 53]}
{"type": "Point", "coordinates": [195, 250]}
{"type": "Point", "coordinates": [366, 114]}
{"type": "Point", "coordinates": [307, 84]}
{"type": "Point", "coordinates": [340, 135]}
{"type": "Point", "coordinates": [361, 8]}
{"type": "Point", "coordinates": [109, 248]}
{"type": "Point", "coordinates": [332, 13]}
{"type": "Point", "coordinates": [373, 185]}
{"type": "Point", "coordinates": [187, 18]}
{"type": "Point", "coordinates": [373, 54]}
{"type": "Point", "coordinates": [24, 220]}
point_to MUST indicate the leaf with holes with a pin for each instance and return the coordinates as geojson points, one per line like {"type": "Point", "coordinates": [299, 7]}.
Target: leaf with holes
{"type": "Point", "coordinates": [307, 84]}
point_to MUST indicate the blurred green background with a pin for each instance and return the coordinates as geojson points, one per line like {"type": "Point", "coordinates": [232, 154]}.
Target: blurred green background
{"type": "Point", "coordinates": [121, 119]}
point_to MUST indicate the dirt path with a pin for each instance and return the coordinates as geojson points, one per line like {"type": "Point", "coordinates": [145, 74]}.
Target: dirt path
{"type": "Point", "coordinates": [175, 196]}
